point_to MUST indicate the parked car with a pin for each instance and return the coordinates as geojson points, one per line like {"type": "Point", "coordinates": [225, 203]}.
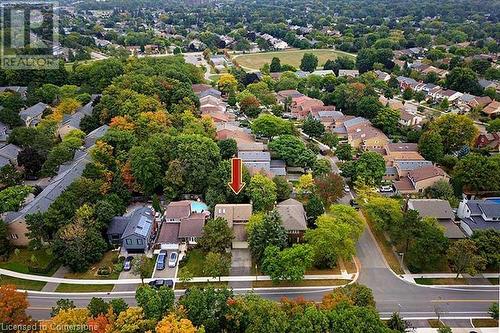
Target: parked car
{"type": "Point", "coordinates": [161, 282]}
{"type": "Point", "coordinates": [127, 264]}
{"type": "Point", "coordinates": [354, 204]}
{"type": "Point", "coordinates": [385, 188]}
{"type": "Point", "coordinates": [347, 188]}
{"type": "Point", "coordinates": [160, 261]}
{"type": "Point", "coordinates": [172, 259]}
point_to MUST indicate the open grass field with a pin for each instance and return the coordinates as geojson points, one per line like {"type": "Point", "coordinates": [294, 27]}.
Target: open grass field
{"type": "Point", "coordinates": [255, 61]}
{"type": "Point", "coordinates": [428, 282]}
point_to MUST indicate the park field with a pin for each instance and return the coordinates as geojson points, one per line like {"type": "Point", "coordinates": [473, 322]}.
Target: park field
{"type": "Point", "coordinates": [255, 61]}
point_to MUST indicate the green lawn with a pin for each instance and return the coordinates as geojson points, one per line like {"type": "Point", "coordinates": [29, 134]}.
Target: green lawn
{"type": "Point", "coordinates": [493, 281]}
{"type": "Point", "coordinates": [303, 283]}
{"type": "Point", "coordinates": [21, 258]}
{"type": "Point", "coordinates": [429, 282]}
{"type": "Point", "coordinates": [21, 283]}
{"type": "Point", "coordinates": [193, 263]}
{"type": "Point", "coordinates": [77, 288]}
{"type": "Point", "coordinates": [186, 285]}
{"type": "Point", "coordinates": [292, 57]}
{"type": "Point", "coordinates": [91, 273]}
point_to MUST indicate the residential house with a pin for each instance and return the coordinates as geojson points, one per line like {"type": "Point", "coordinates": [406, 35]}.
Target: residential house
{"type": "Point", "coordinates": [409, 119]}
{"type": "Point", "coordinates": [33, 115]}
{"type": "Point", "coordinates": [183, 223]}
{"type": "Point", "coordinates": [135, 232]}
{"type": "Point", "coordinates": [210, 92]}
{"type": "Point", "coordinates": [21, 90]}
{"type": "Point", "coordinates": [349, 73]}
{"type": "Point", "coordinates": [450, 95]}
{"type": "Point", "coordinates": [467, 102]}
{"type": "Point", "coordinates": [72, 122]}
{"type": "Point", "coordinates": [485, 84]}
{"type": "Point", "coordinates": [403, 167]}
{"type": "Point", "coordinates": [293, 219]}
{"type": "Point", "coordinates": [323, 72]}
{"type": "Point", "coordinates": [479, 214]}
{"type": "Point", "coordinates": [301, 106]}
{"type": "Point", "coordinates": [198, 88]}
{"type": "Point", "coordinates": [92, 137]}
{"type": "Point", "coordinates": [441, 211]}
{"type": "Point", "coordinates": [326, 115]}
{"type": "Point", "coordinates": [406, 82]}
{"type": "Point", "coordinates": [349, 124]}
{"type": "Point", "coordinates": [419, 179]}
{"type": "Point", "coordinates": [8, 154]}
{"type": "Point", "coordinates": [489, 141]}
{"type": "Point", "coordinates": [3, 131]}
{"type": "Point", "coordinates": [383, 76]}
{"type": "Point", "coordinates": [367, 138]}
{"type": "Point", "coordinates": [492, 109]}
{"type": "Point", "coordinates": [196, 45]}
{"type": "Point", "coordinates": [287, 95]}
{"type": "Point", "coordinates": [237, 216]}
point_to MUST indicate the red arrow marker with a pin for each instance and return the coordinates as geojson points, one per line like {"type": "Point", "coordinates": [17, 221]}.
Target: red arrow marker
{"type": "Point", "coordinates": [236, 183]}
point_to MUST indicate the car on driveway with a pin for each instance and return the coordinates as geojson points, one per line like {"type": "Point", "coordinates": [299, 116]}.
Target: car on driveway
{"type": "Point", "coordinates": [172, 259]}
{"type": "Point", "coordinates": [161, 282]}
{"type": "Point", "coordinates": [127, 264]}
{"type": "Point", "coordinates": [160, 262]}
{"type": "Point", "coordinates": [346, 188]}
{"type": "Point", "coordinates": [386, 188]}
{"type": "Point", "coordinates": [354, 204]}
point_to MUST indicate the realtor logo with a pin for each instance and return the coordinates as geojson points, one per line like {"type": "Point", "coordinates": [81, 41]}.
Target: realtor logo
{"type": "Point", "coordinates": [29, 32]}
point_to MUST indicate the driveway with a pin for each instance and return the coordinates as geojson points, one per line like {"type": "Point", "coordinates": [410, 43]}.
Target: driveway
{"type": "Point", "coordinates": [126, 287]}
{"type": "Point", "coordinates": [167, 272]}
{"type": "Point", "coordinates": [241, 265]}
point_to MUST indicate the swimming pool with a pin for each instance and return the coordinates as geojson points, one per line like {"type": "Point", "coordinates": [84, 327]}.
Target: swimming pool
{"type": "Point", "coordinates": [494, 200]}
{"type": "Point", "coordinates": [198, 206]}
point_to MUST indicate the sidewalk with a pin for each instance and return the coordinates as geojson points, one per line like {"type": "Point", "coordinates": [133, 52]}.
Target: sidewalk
{"type": "Point", "coordinates": [344, 276]}
{"type": "Point", "coordinates": [60, 273]}
{"type": "Point", "coordinates": [448, 276]}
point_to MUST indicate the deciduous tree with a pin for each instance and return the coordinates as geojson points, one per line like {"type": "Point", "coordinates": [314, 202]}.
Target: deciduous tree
{"type": "Point", "coordinates": [463, 257]}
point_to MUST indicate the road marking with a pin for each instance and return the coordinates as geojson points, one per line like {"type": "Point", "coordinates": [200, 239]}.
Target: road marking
{"type": "Point", "coordinates": [463, 300]}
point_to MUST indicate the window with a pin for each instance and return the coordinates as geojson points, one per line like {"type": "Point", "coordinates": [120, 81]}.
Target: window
{"type": "Point", "coordinates": [140, 241]}
{"type": "Point", "coordinates": [14, 236]}
{"type": "Point", "coordinates": [128, 241]}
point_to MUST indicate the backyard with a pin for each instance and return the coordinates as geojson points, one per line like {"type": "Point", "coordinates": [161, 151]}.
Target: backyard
{"type": "Point", "coordinates": [21, 260]}
{"type": "Point", "coordinates": [255, 61]}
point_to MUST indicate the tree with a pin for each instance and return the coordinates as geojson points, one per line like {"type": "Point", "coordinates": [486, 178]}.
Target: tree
{"type": "Point", "coordinates": [217, 236]}
{"type": "Point", "coordinates": [142, 267]}
{"type": "Point", "coordinates": [313, 127]}
{"type": "Point", "coordinates": [409, 227]}
{"type": "Point", "coordinates": [288, 264]}
{"type": "Point", "coordinates": [174, 324]}
{"type": "Point", "coordinates": [397, 323]}
{"type": "Point", "coordinates": [407, 94]}
{"type": "Point", "coordinates": [293, 151]}
{"type": "Point", "coordinates": [4, 239]}
{"type": "Point", "coordinates": [250, 105]}
{"type": "Point", "coordinates": [275, 65]}
{"type": "Point", "coordinates": [155, 303]}
{"type": "Point", "coordinates": [347, 319]}
{"type": "Point", "coordinates": [228, 148]}
{"type": "Point", "coordinates": [62, 304]}
{"type": "Point", "coordinates": [216, 264]}
{"type": "Point", "coordinates": [321, 167]}
{"type": "Point", "coordinates": [227, 83]}
{"type": "Point", "coordinates": [330, 188]}
{"type": "Point", "coordinates": [207, 307]}
{"type": "Point", "coordinates": [493, 311]}
{"type": "Point", "coordinates": [314, 207]}
{"type": "Point", "coordinates": [387, 119]}
{"type": "Point", "coordinates": [431, 146]}
{"type": "Point", "coordinates": [309, 62]}
{"type": "Point", "coordinates": [13, 306]}
{"type": "Point", "coordinates": [9, 176]}
{"type": "Point", "coordinates": [266, 233]}
{"type": "Point", "coordinates": [444, 329]}
{"type": "Point", "coordinates": [493, 126]}
{"type": "Point", "coordinates": [132, 320]}
{"type": "Point", "coordinates": [13, 197]}
{"type": "Point", "coordinates": [369, 168]}
{"type": "Point", "coordinates": [118, 305]}
{"type": "Point", "coordinates": [463, 79]}
{"type": "Point", "coordinates": [283, 188]}
{"type": "Point", "coordinates": [262, 192]}
{"type": "Point", "coordinates": [487, 242]}
{"type": "Point", "coordinates": [146, 168]}
{"type": "Point", "coordinates": [354, 294]}
{"type": "Point", "coordinates": [97, 306]}
{"type": "Point", "coordinates": [330, 139]}
{"type": "Point", "coordinates": [270, 126]}
{"type": "Point", "coordinates": [66, 318]}
{"type": "Point", "coordinates": [368, 107]}
{"type": "Point", "coordinates": [385, 212]}
{"type": "Point", "coordinates": [473, 173]}
{"type": "Point", "coordinates": [335, 236]}
{"type": "Point", "coordinates": [464, 258]}
{"type": "Point", "coordinates": [344, 152]}
{"type": "Point", "coordinates": [456, 131]}
{"type": "Point", "coordinates": [428, 247]}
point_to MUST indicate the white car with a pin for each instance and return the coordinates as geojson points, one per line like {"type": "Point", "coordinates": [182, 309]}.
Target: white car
{"type": "Point", "coordinates": [172, 259]}
{"type": "Point", "coordinates": [386, 188]}
{"type": "Point", "coordinates": [346, 188]}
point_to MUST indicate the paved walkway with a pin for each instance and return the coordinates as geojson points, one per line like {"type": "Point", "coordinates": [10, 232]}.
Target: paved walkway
{"type": "Point", "coordinates": [241, 265]}
{"type": "Point", "coordinates": [60, 273]}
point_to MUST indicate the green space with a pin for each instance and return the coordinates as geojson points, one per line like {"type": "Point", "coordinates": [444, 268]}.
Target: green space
{"type": "Point", "coordinates": [41, 262]}
{"type": "Point", "coordinates": [292, 57]}
{"type": "Point", "coordinates": [493, 281]}
{"type": "Point", "coordinates": [194, 262]}
{"type": "Point", "coordinates": [81, 288]}
{"type": "Point", "coordinates": [186, 285]}
{"type": "Point", "coordinates": [22, 283]}
{"type": "Point", "coordinates": [485, 322]}
{"type": "Point", "coordinates": [109, 261]}
{"type": "Point", "coordinates": [429, 282]}
{"type": "Point", "coordinates": [303, 283]}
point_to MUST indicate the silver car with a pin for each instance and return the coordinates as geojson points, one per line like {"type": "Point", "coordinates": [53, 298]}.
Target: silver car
{"type": "Point", "coordinates": [172, 259]}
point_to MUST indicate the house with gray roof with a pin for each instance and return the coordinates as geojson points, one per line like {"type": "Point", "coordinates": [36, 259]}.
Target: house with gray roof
{"type": "Point", "coordinates": [21, 90]}
{"type": "Point", "coordinates": [293, 218]}
{"type": "Point", "coordinates": [479, 214]}
{"type": "Point", "coordinates": [33, 115]}
{"type": "Point", "coordinates": [405, 166]}
{"type": "Point", "coordinates": [441, 211]}
{"type": "Point", "coordinates": [3, 130]}
{"type": "Point", "coordinates": [72, 122]}
{"type": "Point", "coordinates": [135, 232]}
{"type": "Point", "coordinates": [8, 154]}
{"type": "Point", "coordinates": [352, 73]}
{"type": "Point", "coordinates": [95, 135]}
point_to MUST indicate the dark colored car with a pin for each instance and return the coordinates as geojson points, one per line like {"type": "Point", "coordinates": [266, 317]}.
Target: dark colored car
{"type": "Point", "coordinates": [160, 262]}
{"type": "Point", "coordinates": [160, 282]}
{"type": "Point", "coordinates": [354, 204]}
{"type": "Point", "coordinates": [127, 264]}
